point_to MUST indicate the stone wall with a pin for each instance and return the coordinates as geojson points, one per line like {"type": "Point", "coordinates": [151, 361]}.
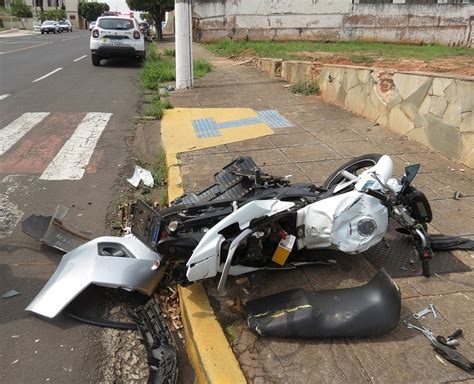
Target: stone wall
{"type": "Point", "coordinates": [432, 109]}
{"type": "Point", "coordinates": [332, 20]}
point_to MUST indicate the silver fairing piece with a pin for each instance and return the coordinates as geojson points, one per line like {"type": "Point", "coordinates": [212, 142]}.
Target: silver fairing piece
{"type": "Point", "coordinates": [122, 262]}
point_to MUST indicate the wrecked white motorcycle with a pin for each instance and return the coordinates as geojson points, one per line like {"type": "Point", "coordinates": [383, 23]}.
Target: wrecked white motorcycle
{"type": "Point", "coordinates": [239, 229]}
{"type": "Point", "coordinates": [351, 216]}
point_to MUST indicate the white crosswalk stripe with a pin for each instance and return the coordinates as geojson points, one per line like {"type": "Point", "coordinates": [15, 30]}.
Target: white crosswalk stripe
{"type": "Point", "coordinates": [71, 161]}
{"type": "Point", "coordinates": [14, 131]}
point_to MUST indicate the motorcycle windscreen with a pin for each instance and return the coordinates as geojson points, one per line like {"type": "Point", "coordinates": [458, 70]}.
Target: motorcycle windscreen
{"type": "Point", "coordinates": [366, 311]}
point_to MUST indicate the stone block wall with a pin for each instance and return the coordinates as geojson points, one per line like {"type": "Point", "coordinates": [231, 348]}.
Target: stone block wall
{"type": "Point", "coordinates": [432, 109]}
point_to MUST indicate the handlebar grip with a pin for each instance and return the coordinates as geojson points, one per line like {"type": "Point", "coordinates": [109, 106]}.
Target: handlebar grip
{"type": "Point", "coordinates": [425, 264]}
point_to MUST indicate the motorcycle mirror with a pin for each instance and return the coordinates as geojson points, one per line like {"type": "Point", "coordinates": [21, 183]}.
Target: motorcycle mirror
{"type": "Point", "coordinates": [410, 172]}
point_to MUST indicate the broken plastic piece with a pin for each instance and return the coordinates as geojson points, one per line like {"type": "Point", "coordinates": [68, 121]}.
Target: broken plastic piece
{"type": "Point", "coordinates": [457, 195]}
{"type": "Point", "coordinates": [366, 311]}
{"type": "Point", "coordinates": [114, 262]}
{"type": "Point", "coordinates": [162, 355]}
{"type": "Point", "coordinates": [11, 293]}
{"type": "Point", "coordinates": [141, 174]}
{"type": "Point", "coordinates": [51, 231]}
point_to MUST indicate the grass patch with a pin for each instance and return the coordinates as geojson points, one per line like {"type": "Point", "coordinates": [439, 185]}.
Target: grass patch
{"type": "Point", "coordinates": [231, 332]}
{"type": "Point", "coordinates": [201, 67]}
{"type": "Point", "coordinates": [305, 89]}
{"type": "Point", "coordinates": [158, 105]}
{"type": "Point", "coordinates": [292, 49]}
{"type": "Point", "coordinates": [158, 169]}
{"type": "Point", "coordinates": [361, 59]}
{"type": "Point", "coordinates": [158, 69]}
{"type": "Point", "coordinates": [170, 52]}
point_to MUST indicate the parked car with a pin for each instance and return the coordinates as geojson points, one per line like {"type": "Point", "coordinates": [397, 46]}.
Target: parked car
{"type": "Point", "coordinates": [65, 25]}
{"type": "Point", "coordinates": [50, 26]}
{"type": "Point", "coordinates": [92, 25]}
{"type": "Point", "coordinates": [117, 36]}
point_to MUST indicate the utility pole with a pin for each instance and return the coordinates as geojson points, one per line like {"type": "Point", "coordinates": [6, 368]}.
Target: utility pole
{"type": "Point", "coordinates": [184, 43]}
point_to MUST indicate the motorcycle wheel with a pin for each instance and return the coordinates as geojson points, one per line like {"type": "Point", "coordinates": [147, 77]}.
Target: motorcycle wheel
{"type": "Point", "coordinates": [354, 166]}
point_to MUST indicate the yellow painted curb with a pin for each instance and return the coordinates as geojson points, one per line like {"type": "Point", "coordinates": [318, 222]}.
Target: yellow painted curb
{"type": "Point", "coordinates": [208, 349]}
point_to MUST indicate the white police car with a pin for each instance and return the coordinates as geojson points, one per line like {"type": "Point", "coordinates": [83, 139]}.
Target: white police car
{"type": "Point", "coordinates": [117, 36]}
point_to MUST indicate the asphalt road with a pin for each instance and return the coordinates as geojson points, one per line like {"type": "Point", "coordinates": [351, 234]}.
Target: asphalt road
{"type": "Point", "coordinates": [49, 91]}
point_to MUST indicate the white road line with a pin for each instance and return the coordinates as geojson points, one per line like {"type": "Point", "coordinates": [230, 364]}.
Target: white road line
{"type": "Point", "coordinates": [10, 213]}
{"type": "Point", "coordinates": [4, 96]}
{"type": "Point", "coordinates": [47, 75]}
{"type": "Point", "coordinates": [19, 128]}
{"type": "Point", "coordinates": [71, 161]}
{"type": "Point", "coordinates": [79, 58]}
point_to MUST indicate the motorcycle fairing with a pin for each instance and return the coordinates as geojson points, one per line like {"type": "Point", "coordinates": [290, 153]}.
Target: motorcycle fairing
{"type": "Point", "coordinates": [115, 262]}
{"type": "Point", "coordinates": [370, 310]}
{"type": "Point", "coordinates": [51, 231]}
{"type": "Point", "coordinates": [334, 222]}
{"type": "Point", "coordinates": [204, 262]}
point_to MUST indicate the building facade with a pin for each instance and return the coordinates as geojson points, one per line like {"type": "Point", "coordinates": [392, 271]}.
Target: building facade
{"type": "Point", "coordinates": [448, 22]}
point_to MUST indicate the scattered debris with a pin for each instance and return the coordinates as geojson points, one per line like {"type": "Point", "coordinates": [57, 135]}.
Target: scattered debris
{"type": "Point", "coordinates": [162, 354]}
{"type": "Point", "coordinates": [242, 280]}
{"type": "Point", "coordinates": [15, 336]}
{"type": "Point", "coordinates": [168, 300]}
{"type": "Point", "coordinates": [14, 362]}
{"type": "Point", "coordinates": [37, 340]}
{"type": "Point", "coordinates": [169, 88]}
{"type": "Point", "coordinates": [441, 360]}
{"type": "Point", "coordinates": [141, 174]}
{"type": "Point", "coordinates": [115, 310]}
{"type": "Point", "coordinates": [11, 293]}
{"type": "Point", "coordinates": [457, 195]}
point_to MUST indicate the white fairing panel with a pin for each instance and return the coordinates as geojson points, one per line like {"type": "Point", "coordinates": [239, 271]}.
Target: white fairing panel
{"type": "Point", "coordinates": [84, 266]}
{"type": "Point", "coordinates": [352, 222]}
{"type": "Point", "coordinates": [383, 169]}
{"type": "Point", "coordinates": [204, 261]}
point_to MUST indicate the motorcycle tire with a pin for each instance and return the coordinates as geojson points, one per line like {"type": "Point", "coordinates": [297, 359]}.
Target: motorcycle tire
{"type": "Point", "coordinates": [353, 166]}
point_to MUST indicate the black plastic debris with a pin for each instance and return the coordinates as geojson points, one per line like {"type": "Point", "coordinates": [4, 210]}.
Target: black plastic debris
{"type": "Point", "coordinates": [162, 355]}
{"type": "Point", "coordinates": [366, 311]}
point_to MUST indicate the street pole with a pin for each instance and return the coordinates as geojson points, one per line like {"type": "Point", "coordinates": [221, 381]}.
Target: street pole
{"type": "Point", "coordinates": [184, 44]}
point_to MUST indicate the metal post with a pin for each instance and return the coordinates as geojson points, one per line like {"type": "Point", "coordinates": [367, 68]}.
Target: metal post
{"type": "Point", "coordinates": [183, 38]}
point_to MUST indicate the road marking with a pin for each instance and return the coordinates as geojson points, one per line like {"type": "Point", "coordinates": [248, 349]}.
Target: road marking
{"type": "Point", "coordinates": [18, 128]}
{"type": "Point", "coordinates": [47, 75]}
{"type": "Point", "coordinates": [33, 153]}
{"type": "Point", "coordinates": [70, 38]}
{"type": "Point", "coordinates": [79, 58]}
{"type": "Point", "coordinates": [22, 49]}
{"type": "Point", "coordinates": [71, 161]}
{"type": "Point", "coordinates": [4, 96]}
{"type": "Point", "coordinates": [10, 213]}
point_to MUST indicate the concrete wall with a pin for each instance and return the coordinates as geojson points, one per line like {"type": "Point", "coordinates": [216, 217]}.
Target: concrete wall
{"type": "Point", "coordinates": [332, 20]}
{"type": "Point", "coordinates": [432, 109]}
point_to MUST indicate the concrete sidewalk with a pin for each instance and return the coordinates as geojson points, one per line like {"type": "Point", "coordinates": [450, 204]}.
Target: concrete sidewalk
{"type": "Point", "coordinates": [322, 138]}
